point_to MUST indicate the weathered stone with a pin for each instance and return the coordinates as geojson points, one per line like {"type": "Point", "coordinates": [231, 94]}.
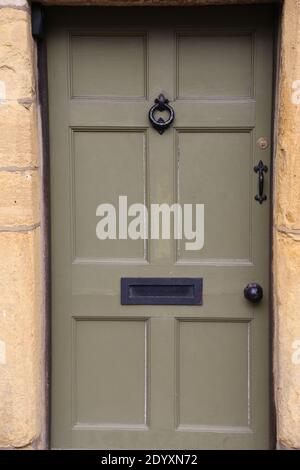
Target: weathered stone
{"type": "Point", "coordinates": [18, 135]}
{"type": "Point", "coordinates": [286, 264]}
{"type": "Point", "coordinates": [20, 332]}
{"type": "Point", "coordinates": [16, 53]}
{"type": "Point", "coordinates": [287, 340]}
{"type": "Point", "coordinates": [13, 3]}
{"type": "Point", "coordinates": [287, 163]}
{"type": "Point", "coordinates": [19, 196]}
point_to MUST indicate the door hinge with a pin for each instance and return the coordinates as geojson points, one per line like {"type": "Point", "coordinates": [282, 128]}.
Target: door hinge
{"type": "Point", "coordinates": [37, 21]}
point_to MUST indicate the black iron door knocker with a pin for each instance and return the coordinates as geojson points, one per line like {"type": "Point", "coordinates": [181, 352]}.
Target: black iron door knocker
{"type": "Point", "coordinates": [161, 104]}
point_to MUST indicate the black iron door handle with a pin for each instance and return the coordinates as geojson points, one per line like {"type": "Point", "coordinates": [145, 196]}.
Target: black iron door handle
{"type": "Point", "coordinates": [253, 292]}
{"type": "Point", "coordinates": [161, 104]}
{"type": "Point", "coordinates": [260, 169]}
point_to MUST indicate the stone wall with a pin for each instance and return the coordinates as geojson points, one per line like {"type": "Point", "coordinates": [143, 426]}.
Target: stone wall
{"type": "Point", "coordinates": [20, 273]}
{"type": "Point", "coordinates": [286, 261]}
{"type": "Point", "coordinates": [21, 287]}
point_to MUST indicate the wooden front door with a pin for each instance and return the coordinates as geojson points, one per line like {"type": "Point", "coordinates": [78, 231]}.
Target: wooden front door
{"type": "Point", "coordinates": [160, 376]}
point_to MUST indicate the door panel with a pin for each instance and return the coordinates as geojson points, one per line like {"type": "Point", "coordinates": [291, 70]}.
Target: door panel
{"type": "Point", "coordinates": [155, 376]}
{"type": "Point", "coordinates": [123, 160]}
{"type": "Point", "coordinates": [215, 65]}
{"type": "Point", "coordinates": [102, 65]}
{"type": "Point", "coordinates": [217, 396]}
{"type": "Point", "coordinates": [204, 157]}
{"type": "Point", "coordinates": [109, 392]}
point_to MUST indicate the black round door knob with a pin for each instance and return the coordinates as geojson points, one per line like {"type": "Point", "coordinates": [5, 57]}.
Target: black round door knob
{"type": "Point", "coordinates": [253, 292]}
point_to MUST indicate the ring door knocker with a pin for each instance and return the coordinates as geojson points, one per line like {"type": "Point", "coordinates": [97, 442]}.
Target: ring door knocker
{"type": "Point", "coordinates": [161, 104]}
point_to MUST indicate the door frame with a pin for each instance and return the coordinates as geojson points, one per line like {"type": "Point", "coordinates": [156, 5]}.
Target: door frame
{"type": "Point", "coordinates": [38, 17]}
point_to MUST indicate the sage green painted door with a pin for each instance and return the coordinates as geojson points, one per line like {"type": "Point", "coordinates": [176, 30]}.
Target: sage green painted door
{"type": "Point", "coordinates": [153, 376]}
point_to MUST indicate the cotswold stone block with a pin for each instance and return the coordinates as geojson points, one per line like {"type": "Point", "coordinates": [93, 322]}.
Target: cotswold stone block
{"type": "Point", "coordinates": [287, 340]}
{"type": "Point", "coordinates": [16, 54]}
{"type": "Point", "coordinates": [19, 196]}
{"type": "Point", "coordinates": [18, 135]}
{"type": "Point", "coordinates": [20, 337]}
{"type": "Point", "coordinates": [14, 3]}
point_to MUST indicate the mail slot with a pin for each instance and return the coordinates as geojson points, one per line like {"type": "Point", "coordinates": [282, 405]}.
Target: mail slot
{"type": "Point", "coordinates": [161, 291]}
